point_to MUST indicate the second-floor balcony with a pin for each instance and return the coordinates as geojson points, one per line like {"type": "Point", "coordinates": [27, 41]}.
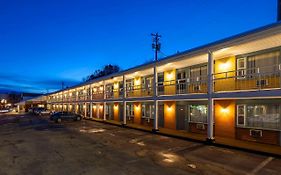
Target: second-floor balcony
{"type": "Point", "coordinates": [114, 94]}
{"type": "Point", "coordinates": [139, 91]}
{"type": "Point", "coordinates": [183, 86]}
{"type": "Point", "coordinates": [259, 78]}
{"type": "Point", "coordinates": [98, 95]}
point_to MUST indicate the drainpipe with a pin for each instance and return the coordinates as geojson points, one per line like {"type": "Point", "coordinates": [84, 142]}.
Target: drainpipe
{"type": "Point", "coordinates": [210, 138]}
{"type": "Point", "coordinates": [124, 101]}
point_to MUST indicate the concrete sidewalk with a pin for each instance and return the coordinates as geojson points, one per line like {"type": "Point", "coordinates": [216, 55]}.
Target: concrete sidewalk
{"type": "Point", "coordinates": [219, 141]}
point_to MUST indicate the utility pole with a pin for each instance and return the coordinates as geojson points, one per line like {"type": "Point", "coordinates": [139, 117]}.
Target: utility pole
{"type": "Point", "coordinates": [278, 10]}
{"type": "Point", "coordinates": [62, 85]}
{"type": "Point", "coordinates": [156, 45]}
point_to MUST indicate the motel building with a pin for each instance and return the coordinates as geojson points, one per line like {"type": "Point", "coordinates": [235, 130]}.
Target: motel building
{"type": "Point", "coordinates": [227, 92]}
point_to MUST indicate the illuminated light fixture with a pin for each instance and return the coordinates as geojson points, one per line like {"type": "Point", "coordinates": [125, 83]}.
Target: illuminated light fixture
{"type": "Point", "coordinates": [115, 106]}
{"type": "Point", "coordinates": [94, 106]}
{"type": "Point", "coordinates": [170, 76]}
{"type": "Point", "coordinates": [137, 106]}
{"type": "Point", "coordinates": [115, 86]}
{"type": "Point", "coordinates": [101, 88]}
{"type": "Point", "coordinates": [224, 110]}
{"type": "Point", "coordinates": [100, 106]}
{"type": "Point", "coordinates": [137, 81]}
{"type": "Point", "coordinates": [169, 108]}
{"type": "Point", "coordinates": [224, 66]}
{"type": "Point", "coordinates": [95, 89]}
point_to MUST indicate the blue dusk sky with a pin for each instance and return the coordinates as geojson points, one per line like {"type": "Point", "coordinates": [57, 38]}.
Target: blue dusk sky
{"type": "Point", "coordinates": [45, 42]}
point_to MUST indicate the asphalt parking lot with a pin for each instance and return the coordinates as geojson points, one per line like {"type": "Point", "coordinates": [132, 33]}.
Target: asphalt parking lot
{"type": "Point", "coordinates": [34, 145]}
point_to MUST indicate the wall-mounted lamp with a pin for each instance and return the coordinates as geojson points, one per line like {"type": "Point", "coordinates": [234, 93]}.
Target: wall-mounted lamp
{"type": "Point", "coordinates": [224, 110]}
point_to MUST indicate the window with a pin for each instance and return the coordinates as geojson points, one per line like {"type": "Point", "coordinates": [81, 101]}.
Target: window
{"type": "Point", "coordinates": [241, 68]}
{"type": "Point", "coordinates": [198, 73]}
{"type": "Point", "coordinates": [130, 85]}
{"type": "Point", "coordinates": [147, 111]}
{"type": "Point", "coordinates": [258, 63]}
{"type": "Point", "coordinates": [265, 116]}
{"type": "Point", "coordinates": [198, 113]}
{"type": "Point", "coordinates": [241, 112]}
{"type": "Point", "coordinates": [130, 110]}
{"type": "Point", "coordinates": [147, 82]}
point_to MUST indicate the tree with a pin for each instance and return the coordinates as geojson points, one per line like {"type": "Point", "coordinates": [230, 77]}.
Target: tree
{"type": "Point", "coordinates": [106, 70]}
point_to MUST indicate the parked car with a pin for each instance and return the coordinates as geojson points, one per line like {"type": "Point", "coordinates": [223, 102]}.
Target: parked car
{"type": "Point", "coordinates": [38, 110]}
{"type": "Point", "coordinates": [59, 116]}
{"type": "Point", "coordinates": [44, 112]}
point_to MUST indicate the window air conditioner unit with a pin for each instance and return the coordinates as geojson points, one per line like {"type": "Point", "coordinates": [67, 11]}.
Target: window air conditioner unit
{"type": "Point", "coordinates": [255, 133]}
{"type": "Point", "coordinates": [200, 126]}
{"type": "Point", "coordinates": [196, 87]}
{"type": "Point", "coordinates": [263, 82]}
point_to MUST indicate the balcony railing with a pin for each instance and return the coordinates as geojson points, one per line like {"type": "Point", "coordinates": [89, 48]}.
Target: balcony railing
{"type": "Point", "coordinates": [183, 86]}
{"type": "Point", "coordinates": [114, 94]}
{"type": "Point", "coordinates": [139, 91]}
{"type": "Point", "coordinates": [267, 77]}
{"type": "Point", "coordinates": [97, 95]}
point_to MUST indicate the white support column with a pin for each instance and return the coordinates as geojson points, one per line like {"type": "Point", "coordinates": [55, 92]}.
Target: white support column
{"type": "Point", "coordinates": [98, 110]}
{"type": "Point", "coordinates": [210, 98]}
{"type": "Point", "coordinates": [85, 111]}
{"type": "Point", "coordinates": [155, 94]}
{"type": "Point", "coordinates": [104, 103]}
{"type": "Point", "coordinates": [91, 110]}
{"type": "Point", "coordinates": [104, 111]}
{"type": "Point", "coordinates": [91, 103]}
{"type": "Point", "coordinates": [124, 101]}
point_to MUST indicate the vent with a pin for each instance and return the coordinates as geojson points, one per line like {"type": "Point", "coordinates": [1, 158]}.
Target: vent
{"type": "Point", "coordinates": [255, 133]}
{"type": "Point", "coordinates": [200, 126]}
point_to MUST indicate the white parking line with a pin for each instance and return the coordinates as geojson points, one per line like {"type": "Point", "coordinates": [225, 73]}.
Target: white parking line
{"type": "Point", "coordinates": [261, 165]}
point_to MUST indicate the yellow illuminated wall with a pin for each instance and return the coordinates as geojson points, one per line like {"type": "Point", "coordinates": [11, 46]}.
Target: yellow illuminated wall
{"type": "Point", "coordinates": [116, 89]}
{"type": "Point", "coordinates": [225, 118]}
{"type": "Point", "coordinates": [170, 86]}
{"type": "Point", "coordinates": [100, 111]}
{"type": "Point", "coordinates": [170, 114]}
{"type": "Point", "coordinates": [94, 111]}
{"type": "Point", "coordinates": [137, 86]}
{"type": "Point", "coordinates": [137, 113]}
{"type": "Point", "coordinates": [225, 65]}
{"type": "Point", "coordinates": [116, 111]}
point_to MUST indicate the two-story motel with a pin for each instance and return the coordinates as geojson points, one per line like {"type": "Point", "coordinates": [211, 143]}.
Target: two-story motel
{"type": "Point", "coordinates": [229, 89]}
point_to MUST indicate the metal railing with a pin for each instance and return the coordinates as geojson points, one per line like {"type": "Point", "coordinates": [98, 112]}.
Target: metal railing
{"type": "Point", "coordinates": [114, 94]}
{"type": "Point", "coordinates": [266, 77]}
{"type": "Point", "coordinates": [98, 95]}
{"type": "Point", "coordinates": [183, 86]}
{"type": "Point", "coordinates": [139, 91]}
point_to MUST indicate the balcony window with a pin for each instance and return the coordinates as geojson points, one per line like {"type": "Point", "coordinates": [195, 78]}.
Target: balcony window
{"type": "Point", "coordinates": [198, 74]}
{"type": "Point", "coordinates": [263, 63]}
